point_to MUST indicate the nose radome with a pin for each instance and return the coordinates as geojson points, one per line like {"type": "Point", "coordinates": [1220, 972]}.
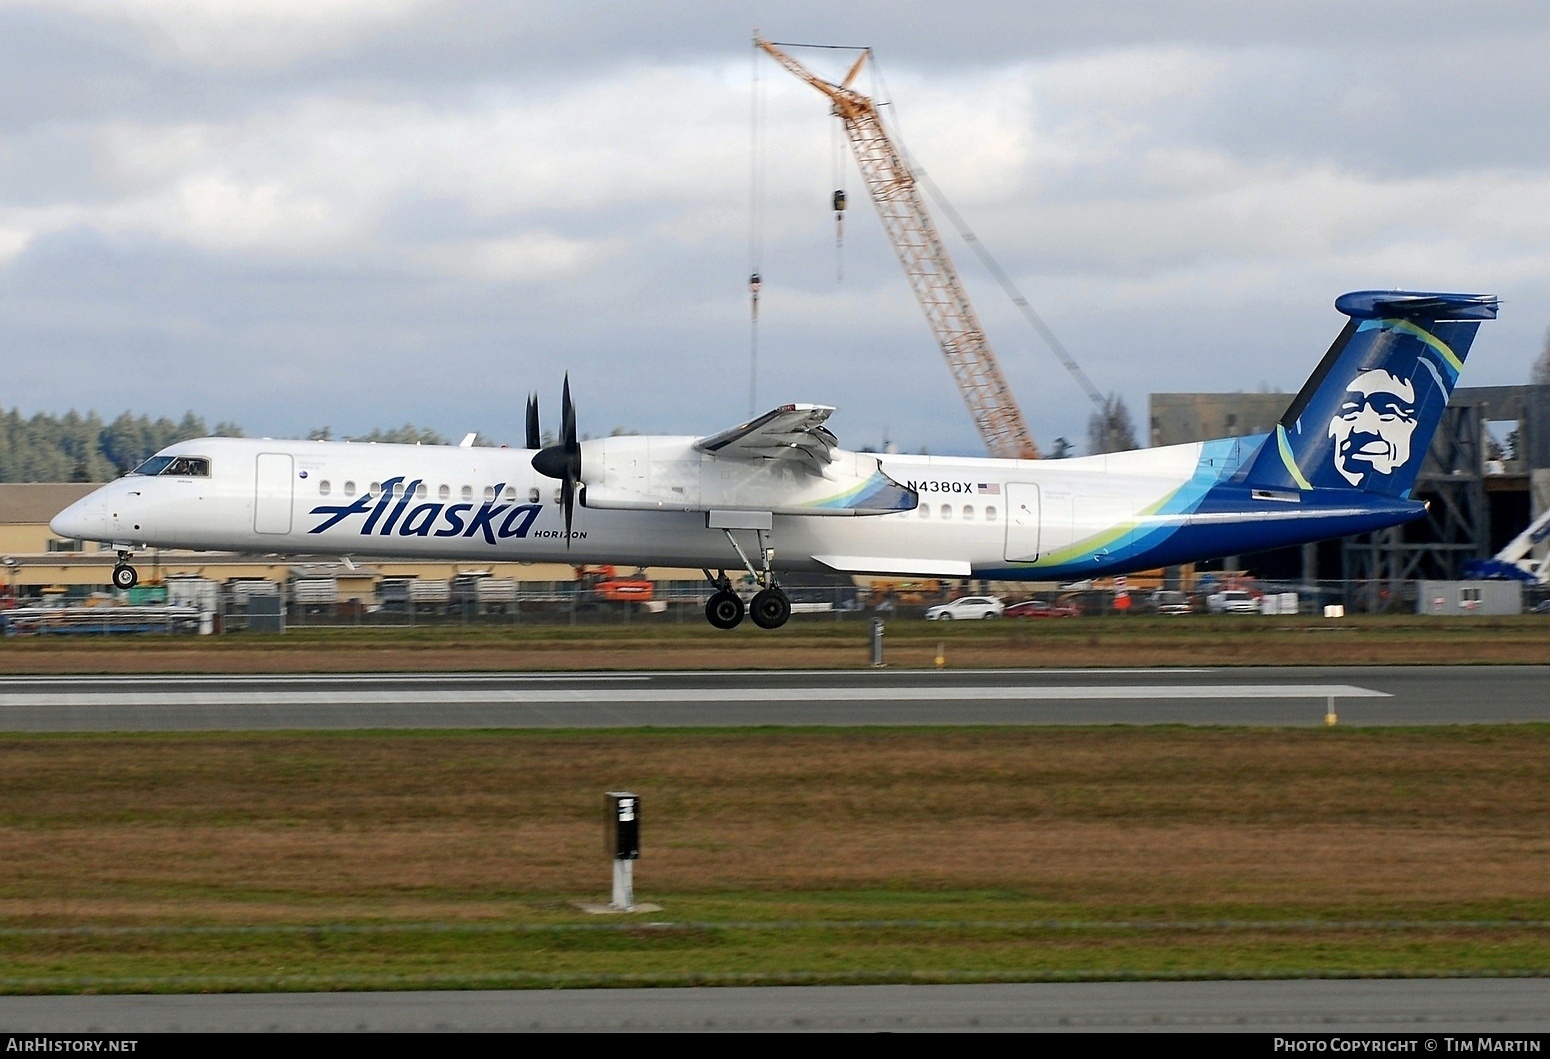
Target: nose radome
{"type": "Point", "coordinates": [82, 520]}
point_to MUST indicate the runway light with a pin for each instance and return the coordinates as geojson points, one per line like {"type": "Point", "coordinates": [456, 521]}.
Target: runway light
{"type": "Point", "coordinates": [941, 655]}
{"type": "Point", "coordinates": [1329, 713]}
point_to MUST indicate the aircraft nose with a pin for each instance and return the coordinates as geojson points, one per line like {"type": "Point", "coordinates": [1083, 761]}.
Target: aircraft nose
{"type": "Point", "coordinates": [86, 519]}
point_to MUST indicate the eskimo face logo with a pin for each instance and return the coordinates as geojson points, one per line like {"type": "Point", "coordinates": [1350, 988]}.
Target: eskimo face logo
{"type": "Point", "coordinates": [1373, 425]}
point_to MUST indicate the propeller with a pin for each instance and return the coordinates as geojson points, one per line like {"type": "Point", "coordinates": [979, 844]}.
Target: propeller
{"type": "Point", "coordinates": [562, 461]}
{"type": "Point", "coordinates": [534, 439]}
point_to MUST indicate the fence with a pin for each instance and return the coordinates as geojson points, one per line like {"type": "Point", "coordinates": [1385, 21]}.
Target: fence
{"type": "Point", "coordinates": [240, 606]}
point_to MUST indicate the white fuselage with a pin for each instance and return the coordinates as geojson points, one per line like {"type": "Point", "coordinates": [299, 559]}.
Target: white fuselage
{"type": "Point", "coordinates": [308, 497]}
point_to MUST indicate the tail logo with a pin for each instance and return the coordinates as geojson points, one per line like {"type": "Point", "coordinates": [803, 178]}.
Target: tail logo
{"type": "Point", "coordinates": [1373, 425]}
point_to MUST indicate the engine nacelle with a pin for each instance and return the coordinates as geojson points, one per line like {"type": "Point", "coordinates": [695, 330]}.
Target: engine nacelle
{"type": "Point", "coordinates": [670, 474]}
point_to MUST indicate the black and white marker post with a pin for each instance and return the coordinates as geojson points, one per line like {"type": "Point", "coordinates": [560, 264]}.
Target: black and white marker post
{"type": "Point", "coordinates": [623, 840]}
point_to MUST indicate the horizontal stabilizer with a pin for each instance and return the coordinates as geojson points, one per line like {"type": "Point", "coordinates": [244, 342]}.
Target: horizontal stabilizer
{"type": "Point", "coordinates": [1376, 304]}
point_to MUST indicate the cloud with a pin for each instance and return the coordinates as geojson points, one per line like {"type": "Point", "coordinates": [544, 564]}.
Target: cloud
{"type": "Point", "coordinates": [527, 258]}
{"type": "Point", "coordinates": [252, 201]}
{"type": "Point", "coordinates": [12, 242]}
{"type": "Point", "coordinates": [241, 33]}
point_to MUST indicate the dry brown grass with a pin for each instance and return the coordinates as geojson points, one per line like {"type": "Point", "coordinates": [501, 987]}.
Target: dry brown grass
{"type": "Point", "coordinates": [1094, 822]}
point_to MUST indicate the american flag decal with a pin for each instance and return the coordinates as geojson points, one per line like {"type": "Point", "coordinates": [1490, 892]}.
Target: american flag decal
{"type": "Point", "coordinates": [990, 488]}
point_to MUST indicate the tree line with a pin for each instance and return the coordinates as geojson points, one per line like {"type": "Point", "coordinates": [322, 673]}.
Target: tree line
{"type": "Point", "coordinates": [84, 448]}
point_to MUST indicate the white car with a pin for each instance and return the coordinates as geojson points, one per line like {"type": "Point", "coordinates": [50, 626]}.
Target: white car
{"type": "Point", "coordinates": [967, 607]}
{"type": "Point", "coordinates": [1232, 601]}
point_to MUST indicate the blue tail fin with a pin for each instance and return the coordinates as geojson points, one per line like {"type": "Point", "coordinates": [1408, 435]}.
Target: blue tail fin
{"type": "Point", "coordinates": [1366, 417]}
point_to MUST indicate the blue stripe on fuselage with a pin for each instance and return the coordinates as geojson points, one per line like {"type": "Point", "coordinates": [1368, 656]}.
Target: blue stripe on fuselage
{"type": "Point", "coordinates": [1212, 515]}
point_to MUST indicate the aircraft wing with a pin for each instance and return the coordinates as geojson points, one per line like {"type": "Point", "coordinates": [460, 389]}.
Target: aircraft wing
{"type": "Point", "coordinates": [785, 462]}
{"type": "Point", "coordinates": [793, 432]}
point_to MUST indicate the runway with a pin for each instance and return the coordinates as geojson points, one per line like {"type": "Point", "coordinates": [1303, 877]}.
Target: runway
{"type": "Point", "coordinates": [1414, 695]}
{"type": "Point", "coordinates": [1414, 1008]}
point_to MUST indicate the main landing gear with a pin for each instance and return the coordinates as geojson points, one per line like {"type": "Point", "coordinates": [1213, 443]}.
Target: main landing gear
{"type": "Point", "coordinates": [124, 575]}
{"type": "Point", "coordinates": [769, 608]}
{"type": "Point", "coordinates": [724, 609]}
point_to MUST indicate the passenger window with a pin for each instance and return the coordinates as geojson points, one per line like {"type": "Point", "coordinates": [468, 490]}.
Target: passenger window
{"type": "Point", "coordinates": [468, 492]}
{"type": "Point", "coordinates": [349, 488]}
{"type": "Point", "coordinates": [324, 488]}
{"type": "Point", "coordinates": [489, 492]}
{"type": "Point", "coordinates": [947, 511]}
{"type": "Point", "coordinates": [375, 487]}
{"type": "Point", "coordinates": [990, 514]}
{"type": "Point", "coordinates": [188, 467]}
{"type": "Point", "coordinates": [511, 492]}
{"type": "Point", "coordinates": [419, 491]}
{"type": "Point", "coordinates": [925, 510]}
{"type": "Point", "coordinates": [444, 493]}
{"type": "Point", "coordinates": [968, 511]}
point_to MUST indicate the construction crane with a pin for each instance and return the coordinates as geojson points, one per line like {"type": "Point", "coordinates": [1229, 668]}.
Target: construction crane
{"type": "Point", "coordinates": [896, 195]}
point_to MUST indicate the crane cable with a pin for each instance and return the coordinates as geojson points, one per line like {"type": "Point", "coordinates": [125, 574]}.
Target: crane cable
{"type": "Point", "coordinates": [756, 156]}
{"type": "Point", "coordinates": [837, 153]}
{"type": "Point", "coordinates": [967, 235]}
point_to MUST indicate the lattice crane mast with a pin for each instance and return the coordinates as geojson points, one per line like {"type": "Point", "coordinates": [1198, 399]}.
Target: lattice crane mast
{"type": "Point", "coordinates": [924, 257]}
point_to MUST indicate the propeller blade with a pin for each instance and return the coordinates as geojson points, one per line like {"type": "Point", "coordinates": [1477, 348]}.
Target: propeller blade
{"type": "Point", "coordinates": [534, 438]}
{"type": "Point", "coordinates": [562, 461]}
{"type": "Point", "coordinates": [567, 417]}
{"type": "Point", "coordinates": [568, 503]}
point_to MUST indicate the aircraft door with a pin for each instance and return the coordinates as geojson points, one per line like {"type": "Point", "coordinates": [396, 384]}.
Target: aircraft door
{"type": "Point", "coordinates": [1022, 522]}
{"type": "Point", "coordinates": [272, 493]}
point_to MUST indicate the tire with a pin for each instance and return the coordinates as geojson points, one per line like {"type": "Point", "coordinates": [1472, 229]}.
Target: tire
{"type": "Point", "coordinates": [125, 577]}
{"type": "Point", "coordinates": [724, 610]}
{"type": "Point", "coordinates": [988, 616]}
{"type": "Point", "coordinates": [770, 609]}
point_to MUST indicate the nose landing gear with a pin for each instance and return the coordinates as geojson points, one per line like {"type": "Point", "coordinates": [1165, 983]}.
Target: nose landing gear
{"type": "Point", "coordinates": [124, 575]}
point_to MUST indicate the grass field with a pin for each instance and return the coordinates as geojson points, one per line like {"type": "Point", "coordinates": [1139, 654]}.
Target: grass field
{"type": "Point", "coordinates": [383, 860]}
{"type": "Point", "coordinates": [807, 644]}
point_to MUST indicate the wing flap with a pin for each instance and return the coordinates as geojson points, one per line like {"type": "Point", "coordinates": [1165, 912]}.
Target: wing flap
{"type": "Point", "coordinates": [875, 564]}
{"type": "Point", "coordinates": [793, 432]}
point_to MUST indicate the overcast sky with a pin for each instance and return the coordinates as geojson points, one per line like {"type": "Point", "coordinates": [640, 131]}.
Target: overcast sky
{"type": "Point", "coordinates": [298, 213]}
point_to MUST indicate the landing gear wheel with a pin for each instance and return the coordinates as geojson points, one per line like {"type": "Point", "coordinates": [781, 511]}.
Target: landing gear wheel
{"type": "Point", "coordinates": [770, 609]}
{"type": "Point", "coordinates": [724, 610]}
{"type": "Point", "coordinates": [125, 577]}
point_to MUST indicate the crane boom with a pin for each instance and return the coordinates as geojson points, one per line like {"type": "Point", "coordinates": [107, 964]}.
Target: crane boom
{"type": "Point", "coordinates": [896, 195]}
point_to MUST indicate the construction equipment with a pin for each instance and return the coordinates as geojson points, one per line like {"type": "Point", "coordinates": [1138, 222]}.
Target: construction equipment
{"type": "Point", "coordinates": [604, 583]}
{"type": "Point", "coordinates": [896, 195]}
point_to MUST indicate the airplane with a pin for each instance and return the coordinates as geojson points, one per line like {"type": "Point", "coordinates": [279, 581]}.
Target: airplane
{"type": "Point", "coordinates": [777, 495]}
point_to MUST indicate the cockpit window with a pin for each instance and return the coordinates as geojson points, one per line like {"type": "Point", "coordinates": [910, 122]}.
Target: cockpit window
{"type": "Point", "coordinates": [175, 467]}
{"type": "Point", "coordinates": [188, 467]}
{"type": "Point", "coordinates": [154, 465]}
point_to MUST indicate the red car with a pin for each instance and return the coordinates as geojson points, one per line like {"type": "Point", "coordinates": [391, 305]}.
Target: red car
{"type": "Point", "coordinates": [1038, 608]}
